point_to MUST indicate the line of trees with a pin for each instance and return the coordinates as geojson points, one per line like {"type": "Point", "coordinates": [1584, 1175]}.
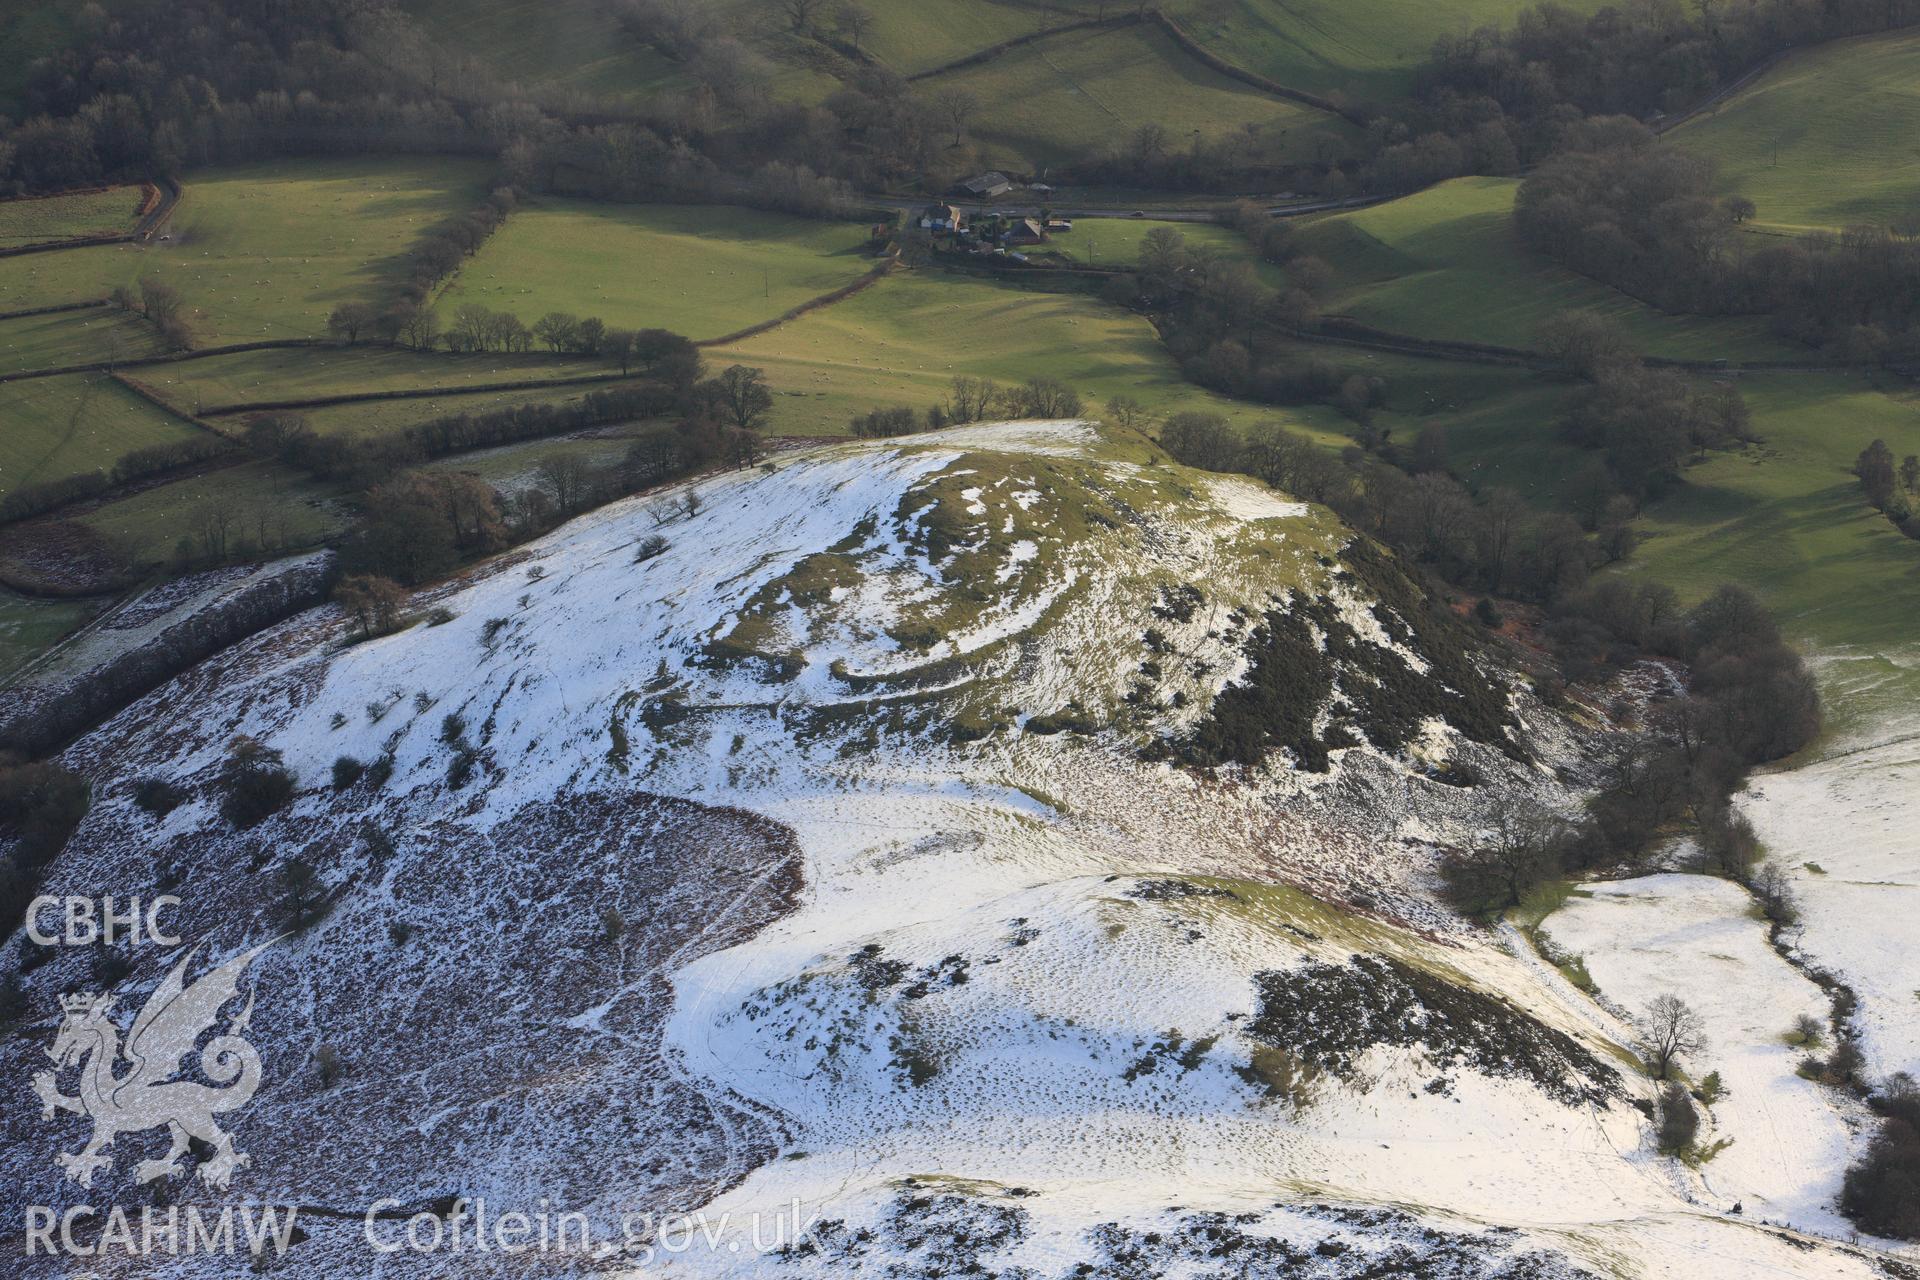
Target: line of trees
{"type": "Point", "coordinates": [418, 526]}
{"type": "Point", "coordinates": [1749, 699]}
{"type": "Point", "coordinates": [1893, 490]}
{"type": "Point", "coordinates": [974, 400]}
{"type": "Point", "coordinates": [1493, 540]}
{"type": "Point", "coordinates": [371, 460]}
{"type": "Point", "coordinates": [1646, 218]}
{"type": "Point", "coordinates": [1646, 423]}
{"type": "Point", "coordinates": [1881, 1193]}
{"type": "Point", "coordinates": [161, 305]}
{"type": "Point", "coordinates": [1493, 100]}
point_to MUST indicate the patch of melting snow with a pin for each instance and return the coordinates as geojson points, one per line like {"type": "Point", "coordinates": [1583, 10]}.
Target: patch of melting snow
{"type": "Point", "coordinates": [1018, 554]}
{"type": "Point", "coordinates": [1245, 500]}
{"type": "Point", "coordinates": [1057, 438]}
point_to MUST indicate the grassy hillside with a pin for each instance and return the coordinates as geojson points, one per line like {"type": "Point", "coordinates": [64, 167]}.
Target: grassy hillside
{"type": "Point", "coordinates": [268, 250]}
{"type": "Point", "coordinates": [1445, 263]}
{"type": "Point", "coordinates": [1829, 137]}
{"type": "Point", "coordinates": [1788, 520]}
{"type": "Point", "coordinates": [87, 213]}
{"type": "Point", "coordinates": [701, 271]}
{"type": "Point", "coordinates": [915, 37]}
{"type": "Point", "coordinates": [905, 340]}
{"type": "Point", "coordinates": [1365, 49]}
{"type": "Point", "coordinates": [1056, 99]}
{"type": "Point", "coordinates": [574, 45]}
{"type": "Point", "coordinates": [59, 427]}
{"type": "Point", "coordinates": [578, 47]}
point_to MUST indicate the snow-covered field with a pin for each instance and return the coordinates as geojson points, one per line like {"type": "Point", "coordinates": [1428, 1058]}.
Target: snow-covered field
{"type": "Point", "coordinates": [1695, 937]}
{"type": "Point", "coordinates": [1847, 826]}
{"type": "Point", "coordinates": [1005, 990]}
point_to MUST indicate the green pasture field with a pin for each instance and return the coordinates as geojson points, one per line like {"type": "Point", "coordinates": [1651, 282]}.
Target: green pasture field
{"type": "Point", "coordinates": [1509, 438]}
{"type": "Point", "coordinates": [1366, 50]}
{"type": "Point", "coordinates": [1446, 263]}
{"type": "Point", "coordinates": [145, 527]}
{"type": "Point", "coordinates": [74, 337]}
{"type": "Point", "coordinates": [1828, 138]}
{"type": "Point", "coordinates": [30, 625]}
{"type": "Point", "coordinates": [1500, 422]}
{"type": "Point", "coordinates": [903, 342]}
{"type": "Point", "coordinates": [70, 275]}
{"type": "Point", "coordinates": [88, 213]}
{"type": "Point", "coordinates": [1787, 519]}
{"type": "Point", "coordinates": [701, 271]}
{"type": "Point", "coordinates": [1058, 99]}
{"type": "Point", "coordinates": [268, 250]}
{"type": "Point", "coordinates": [52, 428]}
{"type": "Point", "coordinates": [296, 373]}
{"type": "Point", "coordinates": [1116, 242]}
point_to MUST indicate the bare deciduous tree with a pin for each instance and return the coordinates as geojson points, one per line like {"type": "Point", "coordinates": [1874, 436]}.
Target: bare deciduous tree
{"type": "Point", "coordinates": [1772, 887]}
{"type": "Point", "coordinates": [801, 13]}
{"type": "Point", "coordinates": [1673, 1030]}
{"type": "Point", "coordinates": [854, 22]}
{"type": "Point", "coordinates": [971, 399]}
{"type": "Point", "coordinates": [954, 108]}
{"type": "Point", "coordinates": [565, 476]}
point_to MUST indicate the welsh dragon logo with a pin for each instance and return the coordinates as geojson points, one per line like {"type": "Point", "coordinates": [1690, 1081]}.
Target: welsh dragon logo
{"type": "Point", "coordinates": [147, 1094]}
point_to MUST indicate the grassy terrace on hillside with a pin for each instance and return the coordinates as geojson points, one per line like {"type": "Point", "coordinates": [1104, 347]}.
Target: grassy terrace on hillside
{"type": "Point", "coordinates": [903, 342]}
{"type": "Point", "coordinates": [1445, 263]}
{"type": "Point", "coordinates": [268, 250]}
{"type": "Point", "coordinates": [292, 373]}
{"type": "Point", "coordinates": [1050, 101]}
{"type": "Point", "coordinates": [59, 427]}
{"type": "Point", "coordinates": [88, 213]}
{"type": "Point", "coordinates": [74, 337]}
{"type": "Point", "coordinates": [1828, 138]}
{"type": "Point", "coordinates": [1366, 49]}
{"type": "Point", "coordinates": [701, 271]}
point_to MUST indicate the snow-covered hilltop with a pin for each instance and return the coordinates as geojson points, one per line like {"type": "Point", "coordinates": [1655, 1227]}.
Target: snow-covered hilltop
{"type": "Point", "coordinates": [1009, 845]}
